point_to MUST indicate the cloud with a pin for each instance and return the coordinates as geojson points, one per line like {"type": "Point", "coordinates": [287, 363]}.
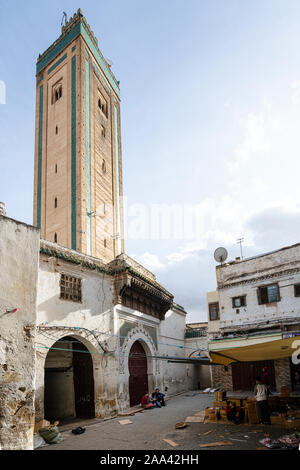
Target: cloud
{"type": "Point", "coordinates": [259, 199]}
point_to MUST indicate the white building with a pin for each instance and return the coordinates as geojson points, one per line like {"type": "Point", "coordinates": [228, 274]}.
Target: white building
{"type": "Point", "coordinates": [257, 302]}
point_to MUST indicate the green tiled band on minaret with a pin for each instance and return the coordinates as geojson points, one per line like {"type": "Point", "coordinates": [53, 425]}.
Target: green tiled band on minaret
{"type": "Point", "coordinates": [88, 157]}
{"type": "Point", "coordinates": [39, 195]}
{"type": "Point", "coordinates": [73, 177]}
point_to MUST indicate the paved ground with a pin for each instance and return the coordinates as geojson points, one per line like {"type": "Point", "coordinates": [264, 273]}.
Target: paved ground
{"type": "Point", "coordinates": [149, 428]}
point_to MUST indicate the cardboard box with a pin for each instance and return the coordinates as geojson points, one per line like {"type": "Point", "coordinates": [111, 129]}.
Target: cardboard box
{"type": "Point", "coordinates": [252, 413]}
{"type": "Point", "coordinates": [277, 420]}
{"type": "Point", "coordinates": [292, 424]}
{"type": "Point", "coordinates": [220, 396]}
{"type": "Point", "coordinates": [285, 392]}
{"type": "Point", "coordinates": [212, 414]}
{"type": "Point", "coordinates": [220, 404]}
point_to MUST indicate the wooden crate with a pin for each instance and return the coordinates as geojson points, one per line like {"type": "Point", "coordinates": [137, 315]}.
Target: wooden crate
{"type": "Point", "coordinates": [252, 412]}
{"type": "Point", "coordinates": [277, 420]}
{"type": "Point", "coordinates": [220, 396]}
{"type": "Point", "coordinates": [294, 424]}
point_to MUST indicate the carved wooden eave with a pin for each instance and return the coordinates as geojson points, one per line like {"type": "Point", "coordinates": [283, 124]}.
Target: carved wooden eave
{"type": "Point", "coordinates": [142, 294]}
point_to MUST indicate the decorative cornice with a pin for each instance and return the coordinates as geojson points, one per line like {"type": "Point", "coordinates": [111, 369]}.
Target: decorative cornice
{"type": "Point", "coordinates": [253, 280]}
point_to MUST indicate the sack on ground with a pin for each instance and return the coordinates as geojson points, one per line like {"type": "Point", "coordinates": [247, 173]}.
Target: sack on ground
{"type": "Point", "coordinates": [51, 435]}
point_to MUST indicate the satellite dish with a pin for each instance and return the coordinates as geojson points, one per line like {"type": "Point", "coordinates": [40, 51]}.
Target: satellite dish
{"type": "Point", "coordinates": [220, 254]}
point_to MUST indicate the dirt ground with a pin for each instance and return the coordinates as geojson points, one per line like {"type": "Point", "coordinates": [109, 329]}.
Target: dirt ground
{"type": "Point", "coordinates": [149, 429]}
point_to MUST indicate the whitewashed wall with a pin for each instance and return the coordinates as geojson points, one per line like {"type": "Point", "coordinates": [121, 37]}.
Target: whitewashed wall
{"type": "Point", "coordinates": [244, 278]}
{"type": "Point", "coordinates": [19, 252]}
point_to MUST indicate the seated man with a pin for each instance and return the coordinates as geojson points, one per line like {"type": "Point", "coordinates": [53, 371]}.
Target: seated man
{"type": "Point", "coordinates": [159, 398]}
{"type": "Point", "coordinates": [234, 413]}
{"type": "Point", "coordinates": [146, 401]}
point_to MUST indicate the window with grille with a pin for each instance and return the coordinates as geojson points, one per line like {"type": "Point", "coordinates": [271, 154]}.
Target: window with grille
{"type": "Point", "coordinates": [70, 288]}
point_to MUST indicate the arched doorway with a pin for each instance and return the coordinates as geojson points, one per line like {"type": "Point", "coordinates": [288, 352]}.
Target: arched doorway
{"type": "Point", "coordinates": [138, 373]}
{"type": "Point", "coordinates": [69, 381]}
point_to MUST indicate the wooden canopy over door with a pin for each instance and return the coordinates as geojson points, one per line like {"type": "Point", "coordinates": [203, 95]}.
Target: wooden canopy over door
{"type": "Point", "coordinates": [138, 377]}
{"type": "Point", "coordinates": [244, 373]}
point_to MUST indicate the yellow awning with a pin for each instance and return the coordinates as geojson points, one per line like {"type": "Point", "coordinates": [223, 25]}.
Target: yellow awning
{"type": "Point", "coordinates": [261, 351]}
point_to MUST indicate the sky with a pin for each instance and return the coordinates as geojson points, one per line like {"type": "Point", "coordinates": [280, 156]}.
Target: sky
{"type": "Point", "coordinates": [210, 116]}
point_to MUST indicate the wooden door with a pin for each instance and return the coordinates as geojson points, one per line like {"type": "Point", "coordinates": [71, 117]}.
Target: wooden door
{"type": "Point", "coordinates": [138, 377]}
{"type": "Point", "coordinates": [83, 382]}
{"type": "Point", "coordinates": [244, 373]}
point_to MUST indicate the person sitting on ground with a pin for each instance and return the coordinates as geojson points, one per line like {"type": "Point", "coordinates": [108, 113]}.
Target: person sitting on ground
{"type": "Point", "coordinates": [234, 413]}
{"type": "Point", "coordinates": [146, 402]}
{"type": "Point", "coordinates": [261, 395]}
{"type": "Point", "coordinates": [159, 397]}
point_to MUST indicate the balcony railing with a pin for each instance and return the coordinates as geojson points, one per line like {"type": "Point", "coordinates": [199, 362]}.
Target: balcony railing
{"type": "Point", "coordinates": [195, 333]}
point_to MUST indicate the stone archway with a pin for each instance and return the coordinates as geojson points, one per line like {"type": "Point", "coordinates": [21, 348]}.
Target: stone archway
{"type": "Point", "coordinates": [69, 381]}
{"type": "Point", "coordinates": [138, 373]}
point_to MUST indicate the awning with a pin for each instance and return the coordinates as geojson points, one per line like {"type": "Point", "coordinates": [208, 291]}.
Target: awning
{"type": "Point", "coordinates": [258, 348]}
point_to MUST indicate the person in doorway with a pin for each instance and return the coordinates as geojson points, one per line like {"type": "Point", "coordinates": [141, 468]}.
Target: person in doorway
{"type": "Point", "coordinates": [146, 402]}
{"type": "Point", "coordinates": [159, 398]}
{"type": "Point", "coordinates": [233, 413]}
{"type": "Point", "coordinates": [297, 378]}
{"type": "Point", "coordinates": [261, 395]}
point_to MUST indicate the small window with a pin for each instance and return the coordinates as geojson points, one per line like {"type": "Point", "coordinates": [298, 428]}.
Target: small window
{"type": "Point", "coordinates": [102, 105]}
{"type": "Point", "coordinates": [104, 166]}
{"type": "Point", "coordinates": [297, 290]}
{"type": "Point", "coordinates": [104, 242]}
{"type": "Point", "coordinates": [238, 302]}
{"type": "Point", "coordinates": [56, 168]}
{"type": "Point", "coordinates": [102, 131]}
{"type": "Point", "coordinates": [70, 288]}
{"type": "Point", "coordinates": [57, 93]}
{"type": "Point", "coordinates": [55, 237]}
{"type": "Point", "coordinates": [268, 294]}
{"type": "Point", "coordinates": [55, 203]}
{"type": "Point", "coordinates": [213, 311]}
{"type": "Point", "coordinates": [56, 130]}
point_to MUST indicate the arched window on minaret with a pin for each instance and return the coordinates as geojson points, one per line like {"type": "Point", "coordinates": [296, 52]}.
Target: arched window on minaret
{"type": "Point", "coordinates": [55, 237]}
{"type": "Point", "coordinates": [55, 202]}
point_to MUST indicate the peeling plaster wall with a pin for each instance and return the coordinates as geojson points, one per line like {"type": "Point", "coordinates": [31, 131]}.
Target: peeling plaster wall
{"type": "Point", "coordinates": [94, 313]}
{"type": "Point", "coordinates": [175, 376]}
{"type": "Point", "coordinates": [243, 278]}
{"type": "Point", "coordinates": [19, 252]}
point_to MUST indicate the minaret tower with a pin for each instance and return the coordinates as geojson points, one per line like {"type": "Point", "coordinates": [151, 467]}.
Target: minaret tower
{"type": "Point", "coordinates": [78, 159]}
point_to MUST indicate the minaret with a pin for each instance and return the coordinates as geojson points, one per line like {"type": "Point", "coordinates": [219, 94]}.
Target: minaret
{"type": "Point", "coordinates": [78, 159]}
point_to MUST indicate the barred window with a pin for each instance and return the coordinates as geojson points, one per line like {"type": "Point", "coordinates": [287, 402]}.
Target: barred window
{"type": "Point", "coordinates": [70, 288]}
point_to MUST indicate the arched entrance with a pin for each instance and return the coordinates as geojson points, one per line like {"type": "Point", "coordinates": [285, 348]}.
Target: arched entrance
{"type": "Point", "coordinates": [69, 381]}
{"type": "Point", "coordinates": [138, 373]}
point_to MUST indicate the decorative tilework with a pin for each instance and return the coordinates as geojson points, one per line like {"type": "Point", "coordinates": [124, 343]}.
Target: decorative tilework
{"type": "Point", "coordinates": [60, 46]}
{"type": "Point", "coordinates": [73, 177]}
{"type": "Point", "coordinates": [57, 63]}
{"type": "Point", "coordinates": [78, 29]}
{"type": "Point", "coordinates": [88, 157]}
{"type": "Point", "coordinates": [40, 147]}
{"type": "Point", "coordinates": [101, 78]}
